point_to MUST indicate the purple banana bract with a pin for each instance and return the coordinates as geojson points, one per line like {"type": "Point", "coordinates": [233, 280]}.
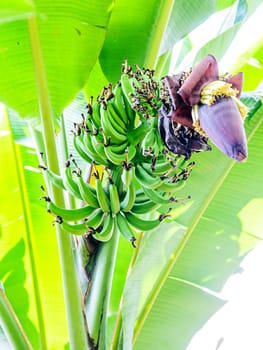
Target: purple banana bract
{"type": "Point", "coordinates": [208, 103]}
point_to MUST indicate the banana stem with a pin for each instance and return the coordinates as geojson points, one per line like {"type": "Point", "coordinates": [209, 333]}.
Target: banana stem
{"type": "Point", "coordinates": [72, 295]}
{"type": "Point", "coordinates": [11, 325]}
{"type": "Point", "coordinates": [118, 324]}
{"type": "Point", "coordinates": [100, 289]}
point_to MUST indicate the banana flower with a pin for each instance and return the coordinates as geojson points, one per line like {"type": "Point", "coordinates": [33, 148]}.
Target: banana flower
{"type": "Point", "coordinates": [209, 103]}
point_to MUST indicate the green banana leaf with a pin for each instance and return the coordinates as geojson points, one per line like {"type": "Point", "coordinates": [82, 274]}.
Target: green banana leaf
{"type": "Point", "coordinates": [229, 29]}
{"type": "Point", "coordinates": [29, 268]}
{"type": "Point", "coordinates": [16, 9]}
{"type": "Point", "coordinates": [71, 37]}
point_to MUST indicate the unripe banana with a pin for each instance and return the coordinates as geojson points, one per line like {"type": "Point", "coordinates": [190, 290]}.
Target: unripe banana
{"type": "Point", "coordinates": [106, 232]}
{"type": "Point", "coordinates": [148, 142]}
{"type": "Point", "coordinates": [156, 196]}
{"type": "Point", "coordinates": [142, 224]}
{"type": "Point", "coordinates": [127, 174]}
{"type": "Point", "coordinates": [161, 167]}
{"type": "Point", "coordinates": [80, 147]}
{"type": "Point", "coordinates": [95, 219]}
{"type": "Point", "coordinates": [69, 183]}
{"type": "Point", "coordinates": [99, 147]}
{"type": "Point", "coordinates": [95, 115]}
{"type": "Point", "coordinates": [118, 103]}
{"type": "Point", "coordinates": [117, 158]}
{"type": "Point", "coordinates": [114, 197]}
{"type": "Point", "coordinates": [145, 207]}
{"type": "Point", "coordinates": [167, 186]}
{"type": "Point", "coordinates": [157, 168]}
{"type": "Point", "coordinates": [87, 192]}
{"type": "Point", "coordinates": [69, 214]}
{"type": "Point", "coordinates": [146, 179]}
{"type": "Point", "coordinates": [116, 119]}
{"type": "Point", "coordinates": [101, 195]}
{"type": "Point", "coordinates": [136, 135]}
{"type": "Point", "coordinates": [124, 228]}
{"type": "Point", "coordinates": [108, 128]}
{"type": "Point", "coordinates": [127, 87]}
{"type": "Point", "coordinates": [76, 229]}
{"type": "Point", "coordinates": [53, 178]}
{"type": "Point", "coordinates": [128, 201]}
{"type": "Point", "coordinates": [92, 152]}
{"type": "Point", "coordinates": [119, 148]}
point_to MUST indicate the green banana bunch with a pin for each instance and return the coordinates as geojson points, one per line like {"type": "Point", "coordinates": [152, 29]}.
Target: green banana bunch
{"type": "Point", "coordinates": [139, 174]}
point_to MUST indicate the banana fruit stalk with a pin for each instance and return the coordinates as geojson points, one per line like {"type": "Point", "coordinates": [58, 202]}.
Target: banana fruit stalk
{"type": "Point", "coordinates": [128, 132]}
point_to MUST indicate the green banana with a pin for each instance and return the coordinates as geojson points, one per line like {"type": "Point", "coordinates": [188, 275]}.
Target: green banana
{"type": "Point", "coordinates": [52, 177]}
{"type": "Point", "coordinates": [127, 174]}
{"type": "Point", "coordinates": [118, 103]}
{"type": "Point", "coordinates": [101, 195]}
{"type": "Point", "coordinates": [108, 128]}
{"type": "Point", "coordinates": [167, 186]}
{"type": "Point", "coordinates": [156, 197]}
{"type": "Point", "coordinates": [124, 228]}
{"type": "Point", "coordinates": [76, 229]}
{"type": "Point", "coordinates": [69, 214]}
{"type": "Point", "coordinates": [129, 199]}
{"type": "Point", "coordinates": [142, 224]}
{"type": "Point", "coordinates": [69, 183]}
{"type": "Point", "coordinates": [116, 119]}
{"type": "Point", "coordinates": [159, 168]}
{"type": "Point", "coordinates": [146, 179]}
{"type": "Point", "coordinates": [80, 148]}
{"type": "Point", "coordinates": [127, 87]}
{"type": "Point", "coordinates": [158, 146]}
{"type": "Point", "coordinates": [99, 147]}
{"type": "Point", "coordinates": [119, 158]}
{"type": "Point", "coordinates": [106, 232]}
{"type": "Point", "coordinates": [95, 219]}
{"type": "Point", "coordinates": [95, 115]}
{"type": "Point", "coordinates": [93, 154]}
{"type": "Point", "coordinates": [87, 192]}
{"type": "Point", "coordinates": [136, 135]}
{"type": "Point", "coordinates": [114, 197]}
{"type": "Point", "coordinates": [119, 148]}
{"type": "Point", "coordinates": [141, 197]}
{"type": "Point", "coordinates": [148, 141]}
{"type": "Point", "coordinates": [90, 126]}
{"type": "Point", "coordinates": [144, 207]}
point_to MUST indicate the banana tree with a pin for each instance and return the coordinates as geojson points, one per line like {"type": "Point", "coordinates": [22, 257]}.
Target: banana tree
{"type": "Point", "coordinates": [79, 284]}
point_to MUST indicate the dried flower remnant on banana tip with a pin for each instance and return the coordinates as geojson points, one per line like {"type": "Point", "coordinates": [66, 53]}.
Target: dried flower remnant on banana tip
{"type": "Point", "coordinates": [208, 103]}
